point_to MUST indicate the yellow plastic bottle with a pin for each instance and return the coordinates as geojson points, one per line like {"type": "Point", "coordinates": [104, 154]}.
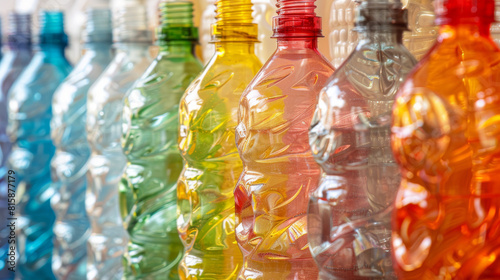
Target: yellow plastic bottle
{"type": "Point", "coordinates": [208, 117]}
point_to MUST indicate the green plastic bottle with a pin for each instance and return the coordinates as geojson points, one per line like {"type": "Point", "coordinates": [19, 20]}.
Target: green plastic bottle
{"type": "Point", "coordinates": [150, 129]}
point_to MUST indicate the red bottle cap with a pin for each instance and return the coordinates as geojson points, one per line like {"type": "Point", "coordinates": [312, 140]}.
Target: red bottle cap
{"type": "Point", "coordinates": [465, 11]}
{"type": "Point", "coordinates": [296, 18]}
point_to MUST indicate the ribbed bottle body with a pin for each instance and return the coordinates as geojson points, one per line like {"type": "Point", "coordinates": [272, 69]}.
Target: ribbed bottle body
{"type": "Point", "coordinates": [208, 117]}
{"type": "Point", "coordinates": [149, 140]}
{"type": "Point", "coordinates": [108, 238]}
{"type": "Point", "coordinates": [30, 111]}
{"type": "Point", "coordinates": [445, 220]}
{"type": "Point", "coordinates": [69, 164]}
{"type": "Point", "coordinates": [13, 62]}
{"type": "Point", "coordinates": [279, 172]}
{"type": "Point", "coordinates": [350, 212]}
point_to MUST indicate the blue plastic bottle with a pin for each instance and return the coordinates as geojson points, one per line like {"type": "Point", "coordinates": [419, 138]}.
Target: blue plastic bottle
{"type": "Point", "coordinates": [69, 165]}
{"type": "Point", "coordinates": [16, 58]}
{"type": "Point", "coordinates": [30, 111]}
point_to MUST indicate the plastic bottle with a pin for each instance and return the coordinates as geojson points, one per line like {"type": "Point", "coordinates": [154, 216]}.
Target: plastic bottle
{"type": "Point", "coordinates": [208, 117]}
{"type": "Point", "coordinates": [342, 37]}
{"type": "Point", "coordinates": [264, 10]}
{"type": "Point", "coordinates": [149, 140]}
{"type": "Point", "coordinates": [423, 32]}
{"type": "Point", "coordinates": [69, 165]}
{"type": "Point", "coordinates": [418, 39]}
{"type": "Point", "coordinates": [108, 240]}
{"type": "Point", "coordinates": [207, 19]}
{"type": "Point", "coordinates": [279, 172]}
{"type": "Point", "coordinates": [445, 138]}
{"type": "Point", "coordinates": [30, 111]}
{"type": "Point", "coordinates": [349, 219]}
{"type": "Point", "coordinates": [17, 57]}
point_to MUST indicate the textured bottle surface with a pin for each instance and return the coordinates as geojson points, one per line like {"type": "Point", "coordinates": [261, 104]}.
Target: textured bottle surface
{"type": "Point", "coordinates": [342, 37]}
{"type": "Point", "coordinates": [445, 139]}
{"type": "Point", "coordinates": [108, 240]}
{"type": "Point", "coordinates": [30, 111]}
{"type": "Point", "coordinates": [264, 10]}
{"type": "Point", "coordinates": [69, 165]}
{"type": "Point", "coordinates": [208, 117]}
{"type": "Point", "coordinates": [154, 165]}
{"type": "Point", "coordinates": [207, 19]}
{"type": "Point", "coordinates": [280, 173]}
{"type": "Point", "coordinates": [418, 39]}
{"type": "Point", "coordinates": [349, 216]}
{"type": "Point", "coordinates": [13, 62]}
{"type": "Point", "coordinates": [423, 32]}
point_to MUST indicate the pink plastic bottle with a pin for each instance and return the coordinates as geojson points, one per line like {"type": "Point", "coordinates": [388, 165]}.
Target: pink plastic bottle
{"type": "Point", "coordinates": [272, 137]}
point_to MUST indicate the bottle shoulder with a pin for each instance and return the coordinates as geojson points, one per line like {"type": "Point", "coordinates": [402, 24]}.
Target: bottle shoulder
{"type": "Point", "coordinates": [372, 73]}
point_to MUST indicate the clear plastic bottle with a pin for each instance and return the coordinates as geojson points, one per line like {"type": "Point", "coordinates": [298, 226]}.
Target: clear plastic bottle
{"type": "Point", "coordinates": [150, 131]}
{"type": "Point", "coordinates": [446, 140]}
{"type": "Point", "coordinates": [263, 12]}
{"type": "Point", "coordinates": [207, 19]}
{"type": "Point", "coordinates": [17, 57]}
{"type": "Point", "coordinates": [108, 240]}
{"type": "Point", "coordinates": [420, 37]}
{"type": "Point", "coordinates": [30, 111]}
{"type": "Point", "coordinates": [208, 117]}
{"type": "Point", "coordinates": [69, 164]}
{"type": "Point", "coordinates": [349, 218]}
{"type": "Point", "coordinates": [423, 32]}
{"type": "Point", "coordinates": [342, 37]}
{"type": "Point", "coordinates": [279, 172]}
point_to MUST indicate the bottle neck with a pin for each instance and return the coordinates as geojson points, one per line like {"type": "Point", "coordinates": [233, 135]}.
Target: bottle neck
{"type": "Point", "coordinates": [53, 49]}
{"type": "Point", "coordinates": [177, 48]}
{"type": "Point", "coordinates": [387, 36]}
{"type": "Point", "coordinates": [225, 47]}
{"type": "Point", "coordinates": [297, 43]}
{"type": "Point", "coordinates": [98, 46]}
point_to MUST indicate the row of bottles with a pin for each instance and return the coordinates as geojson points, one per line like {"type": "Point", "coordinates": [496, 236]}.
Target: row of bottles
{"type": "Point", "coordinates": [130, 166]}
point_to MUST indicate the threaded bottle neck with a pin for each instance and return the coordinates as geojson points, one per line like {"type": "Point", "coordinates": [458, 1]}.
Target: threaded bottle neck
{"type": "Point", "coordinates": [380, 15]}
{"type": "Point", "coordinates": [233, 22]}
{"type": "Point", "coordinates": [176, 22]}
{"type": "Point", "coordinates": [465, 12]}
{"type": "Point", "coordinates": [296, 18]}
{"type": "Point", "coordinates": [52, 29]}
{"type": "Point", "coordinates": [19, 31]}
{"type": "Point", "coordinates": [130, 22]}
{"type": "Point", "coordinates": [98, 28]}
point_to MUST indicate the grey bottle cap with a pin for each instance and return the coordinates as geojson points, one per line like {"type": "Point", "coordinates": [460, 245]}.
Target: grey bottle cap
{"type": "Point", "coordinates": [375, 14]}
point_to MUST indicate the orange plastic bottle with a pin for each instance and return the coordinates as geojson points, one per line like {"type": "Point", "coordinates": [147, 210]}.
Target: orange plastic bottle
{"type": "Point", "coordinates": [446, 137]}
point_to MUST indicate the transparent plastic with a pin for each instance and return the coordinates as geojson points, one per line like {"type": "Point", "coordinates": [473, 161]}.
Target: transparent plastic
{"type": "Point", "coordinates": [279, 171]}
{"type": "Point", "coordinates": [30, 111]}
{"type": "Point", "coordinates": [149, 140]}
{"type": "Point", "coordinates": [208, 117]}
{"type": "Point", "coordinates": [14, 60]}
{"type": "Point", "coordinates": [349, 219]}
{"type": "Point", "coordinates": [445, 138]}
{"type": "Point", "coordinates": [108, 239]}
{"type": "Point", "coordinates": [343, 38]}
{"type": "Point", "coordinates": [69, 164]}
{"type": "Point", "coordinates": [263, 12]}
{"type": "Point", "coordinates": [207, 19]}
{"type": "Point", "coordinates": [423, 32]}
